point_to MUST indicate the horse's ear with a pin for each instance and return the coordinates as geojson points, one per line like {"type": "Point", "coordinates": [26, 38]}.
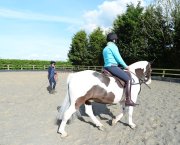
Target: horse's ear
{"type": "Point", "coordinates": [151, 62]}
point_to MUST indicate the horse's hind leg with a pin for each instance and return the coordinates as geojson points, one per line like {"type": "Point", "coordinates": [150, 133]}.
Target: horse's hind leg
{"type": "Point", "coordinates": [66, 117]}
{"type": "Point", "coordinates": [89, 111]}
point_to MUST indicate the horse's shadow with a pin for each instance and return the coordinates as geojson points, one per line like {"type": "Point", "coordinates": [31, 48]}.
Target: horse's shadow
{"type": "Point", "coordinates": [100, 110]}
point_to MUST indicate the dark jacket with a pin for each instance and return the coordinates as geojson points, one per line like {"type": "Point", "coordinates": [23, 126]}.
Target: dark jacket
{"type": "Point", "coordinates": [51, 72]}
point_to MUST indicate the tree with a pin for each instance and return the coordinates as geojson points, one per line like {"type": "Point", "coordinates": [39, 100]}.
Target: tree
{"type": "Point", "coordinates": [161, 24]}
{"type": "Point", "coordinates": [78, 50]}
{"type": "Point", "coordinates": [127, 27]}
{"type": "Point", "coordinates": [144, 35]}
{"type": "Point", "coordinates": [171, 13]}
{"type": "Point", "coordinates": [176, 46]}
{"type": "Point", "coordinates": [158, 36]}
{"type": "Point", "coordinates": [97, 42]}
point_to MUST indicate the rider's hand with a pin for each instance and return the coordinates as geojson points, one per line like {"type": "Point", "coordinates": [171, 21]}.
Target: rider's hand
{"type": "Point", "coordinates": [127, 68]}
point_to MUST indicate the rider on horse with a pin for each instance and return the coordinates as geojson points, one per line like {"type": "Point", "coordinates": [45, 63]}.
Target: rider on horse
{"type": "Point", "coordinates": [112, 59]}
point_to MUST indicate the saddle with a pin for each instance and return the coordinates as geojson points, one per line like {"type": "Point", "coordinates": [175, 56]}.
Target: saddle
{"type": "Point", "coordinates": [119, 81]}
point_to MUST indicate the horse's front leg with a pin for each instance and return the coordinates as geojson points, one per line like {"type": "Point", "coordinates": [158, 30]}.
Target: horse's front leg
{"type": "Point", "coordinates": [131, 124]}
{"type": "Point", "coordinates": [88, 110]}
{"type": "Point", "coordinates": [118, 117]}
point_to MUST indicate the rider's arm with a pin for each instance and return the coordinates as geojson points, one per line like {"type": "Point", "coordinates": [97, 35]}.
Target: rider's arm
{"type": "Point", "coordinates": [118, 57]}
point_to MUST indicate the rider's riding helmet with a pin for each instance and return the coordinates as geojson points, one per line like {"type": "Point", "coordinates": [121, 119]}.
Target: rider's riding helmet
{"type": "Point", "coordinates": [111, 37]}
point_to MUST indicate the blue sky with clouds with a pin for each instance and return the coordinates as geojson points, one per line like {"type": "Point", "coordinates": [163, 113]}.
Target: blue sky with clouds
{"type": "Point", "coordinates": [43, 29]}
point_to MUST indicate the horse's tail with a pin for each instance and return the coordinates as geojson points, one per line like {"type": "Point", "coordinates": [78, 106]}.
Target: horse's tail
{"type": "Point", "coordinates": [66, 103]}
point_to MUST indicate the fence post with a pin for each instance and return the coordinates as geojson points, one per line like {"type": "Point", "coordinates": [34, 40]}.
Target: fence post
{"type": "Point", "coordinates": [163, 73]}
{"type": "Point", "coordinates": [33, 67]}
{"type": "Point", "coordinates": [8, 67]}
{"type": "Point", "coordinates": [21, 67]}
{"type": "Point", "coordinates": [44, 67]}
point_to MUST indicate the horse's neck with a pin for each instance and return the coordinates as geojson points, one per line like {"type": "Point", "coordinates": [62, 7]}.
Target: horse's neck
{"type": "Point", "coordinates": [139, 64]}
{"type": "Point", "coordinates": [136, 65]}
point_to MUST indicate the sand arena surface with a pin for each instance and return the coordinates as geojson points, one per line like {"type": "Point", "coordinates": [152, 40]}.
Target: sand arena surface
{"type": "Point", "coordinates": [28, 115]}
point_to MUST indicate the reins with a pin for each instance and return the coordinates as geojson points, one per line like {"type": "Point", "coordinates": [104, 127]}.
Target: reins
{"type": "Point", "coordinates": [141, 81]}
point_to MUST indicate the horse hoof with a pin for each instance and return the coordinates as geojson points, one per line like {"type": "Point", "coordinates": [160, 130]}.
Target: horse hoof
{"type": "Point", "coordinates": [101, 128]}
{"type": "Point", "coordinates": [132, 126]}
{"type": "Point", "coordinates": [63, 135]}
{"type": "Point", "coordinates": [113, 122]}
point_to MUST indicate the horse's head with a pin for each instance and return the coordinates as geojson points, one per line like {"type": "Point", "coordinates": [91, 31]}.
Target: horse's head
{"type": "Point", "coordinates": [143, 71]}
{"type": "Point", "coordinates": [147, 73]}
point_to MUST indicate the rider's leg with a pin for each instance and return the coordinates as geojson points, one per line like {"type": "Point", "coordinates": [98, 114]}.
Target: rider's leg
{"type": "Point", "coordinates": [128, 101]}
{"type": "Point", "coordinates": [118, 72]}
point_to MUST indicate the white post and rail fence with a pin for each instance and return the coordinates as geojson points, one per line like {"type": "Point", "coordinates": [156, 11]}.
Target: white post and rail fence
{"type": "Point", "coordinates": [156, 72]}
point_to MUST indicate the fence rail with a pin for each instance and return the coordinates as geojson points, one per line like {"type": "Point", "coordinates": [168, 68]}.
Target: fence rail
{"type": "Point", "coordinates": [175, 73]}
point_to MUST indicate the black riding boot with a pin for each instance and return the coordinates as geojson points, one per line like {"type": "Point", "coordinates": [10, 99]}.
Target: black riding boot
{"type": "Point", "coordinates": [128, 101]}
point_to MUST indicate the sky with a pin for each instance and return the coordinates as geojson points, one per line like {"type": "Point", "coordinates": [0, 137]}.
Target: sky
{"type": "Point", "coordinates": [43, 29]}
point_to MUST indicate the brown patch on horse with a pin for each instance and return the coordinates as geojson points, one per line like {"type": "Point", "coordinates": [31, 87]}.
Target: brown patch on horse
{"type": "Point", "coordinates": [104, 79]}
{"type": "Point", "coordinates": [96, 94]}
{"type": "Point", "coordinates": [139, 72]}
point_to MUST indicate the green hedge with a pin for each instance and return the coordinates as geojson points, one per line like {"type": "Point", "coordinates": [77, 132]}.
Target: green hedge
{"type": "Point", "coordinates": [30, 62]}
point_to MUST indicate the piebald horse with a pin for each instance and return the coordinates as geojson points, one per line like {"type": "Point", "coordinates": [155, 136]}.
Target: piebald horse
{"type": "Point", "coordinates": [87, 86]}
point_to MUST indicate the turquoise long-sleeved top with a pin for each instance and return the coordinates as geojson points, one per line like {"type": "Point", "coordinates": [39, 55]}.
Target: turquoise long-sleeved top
{"type": "Point", "coordinates": [112, 56]}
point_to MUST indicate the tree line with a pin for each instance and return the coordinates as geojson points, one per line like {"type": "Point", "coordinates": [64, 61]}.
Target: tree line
{"type": "Point", "coordinates": [143, 34]}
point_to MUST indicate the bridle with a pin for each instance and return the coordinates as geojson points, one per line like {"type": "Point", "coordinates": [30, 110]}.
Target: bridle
{"type": "Point", "coordinates": [141, 80]}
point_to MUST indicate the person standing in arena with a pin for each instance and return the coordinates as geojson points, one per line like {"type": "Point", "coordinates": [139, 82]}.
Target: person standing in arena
{"type": "Point", "coordinates": [52, 77]}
